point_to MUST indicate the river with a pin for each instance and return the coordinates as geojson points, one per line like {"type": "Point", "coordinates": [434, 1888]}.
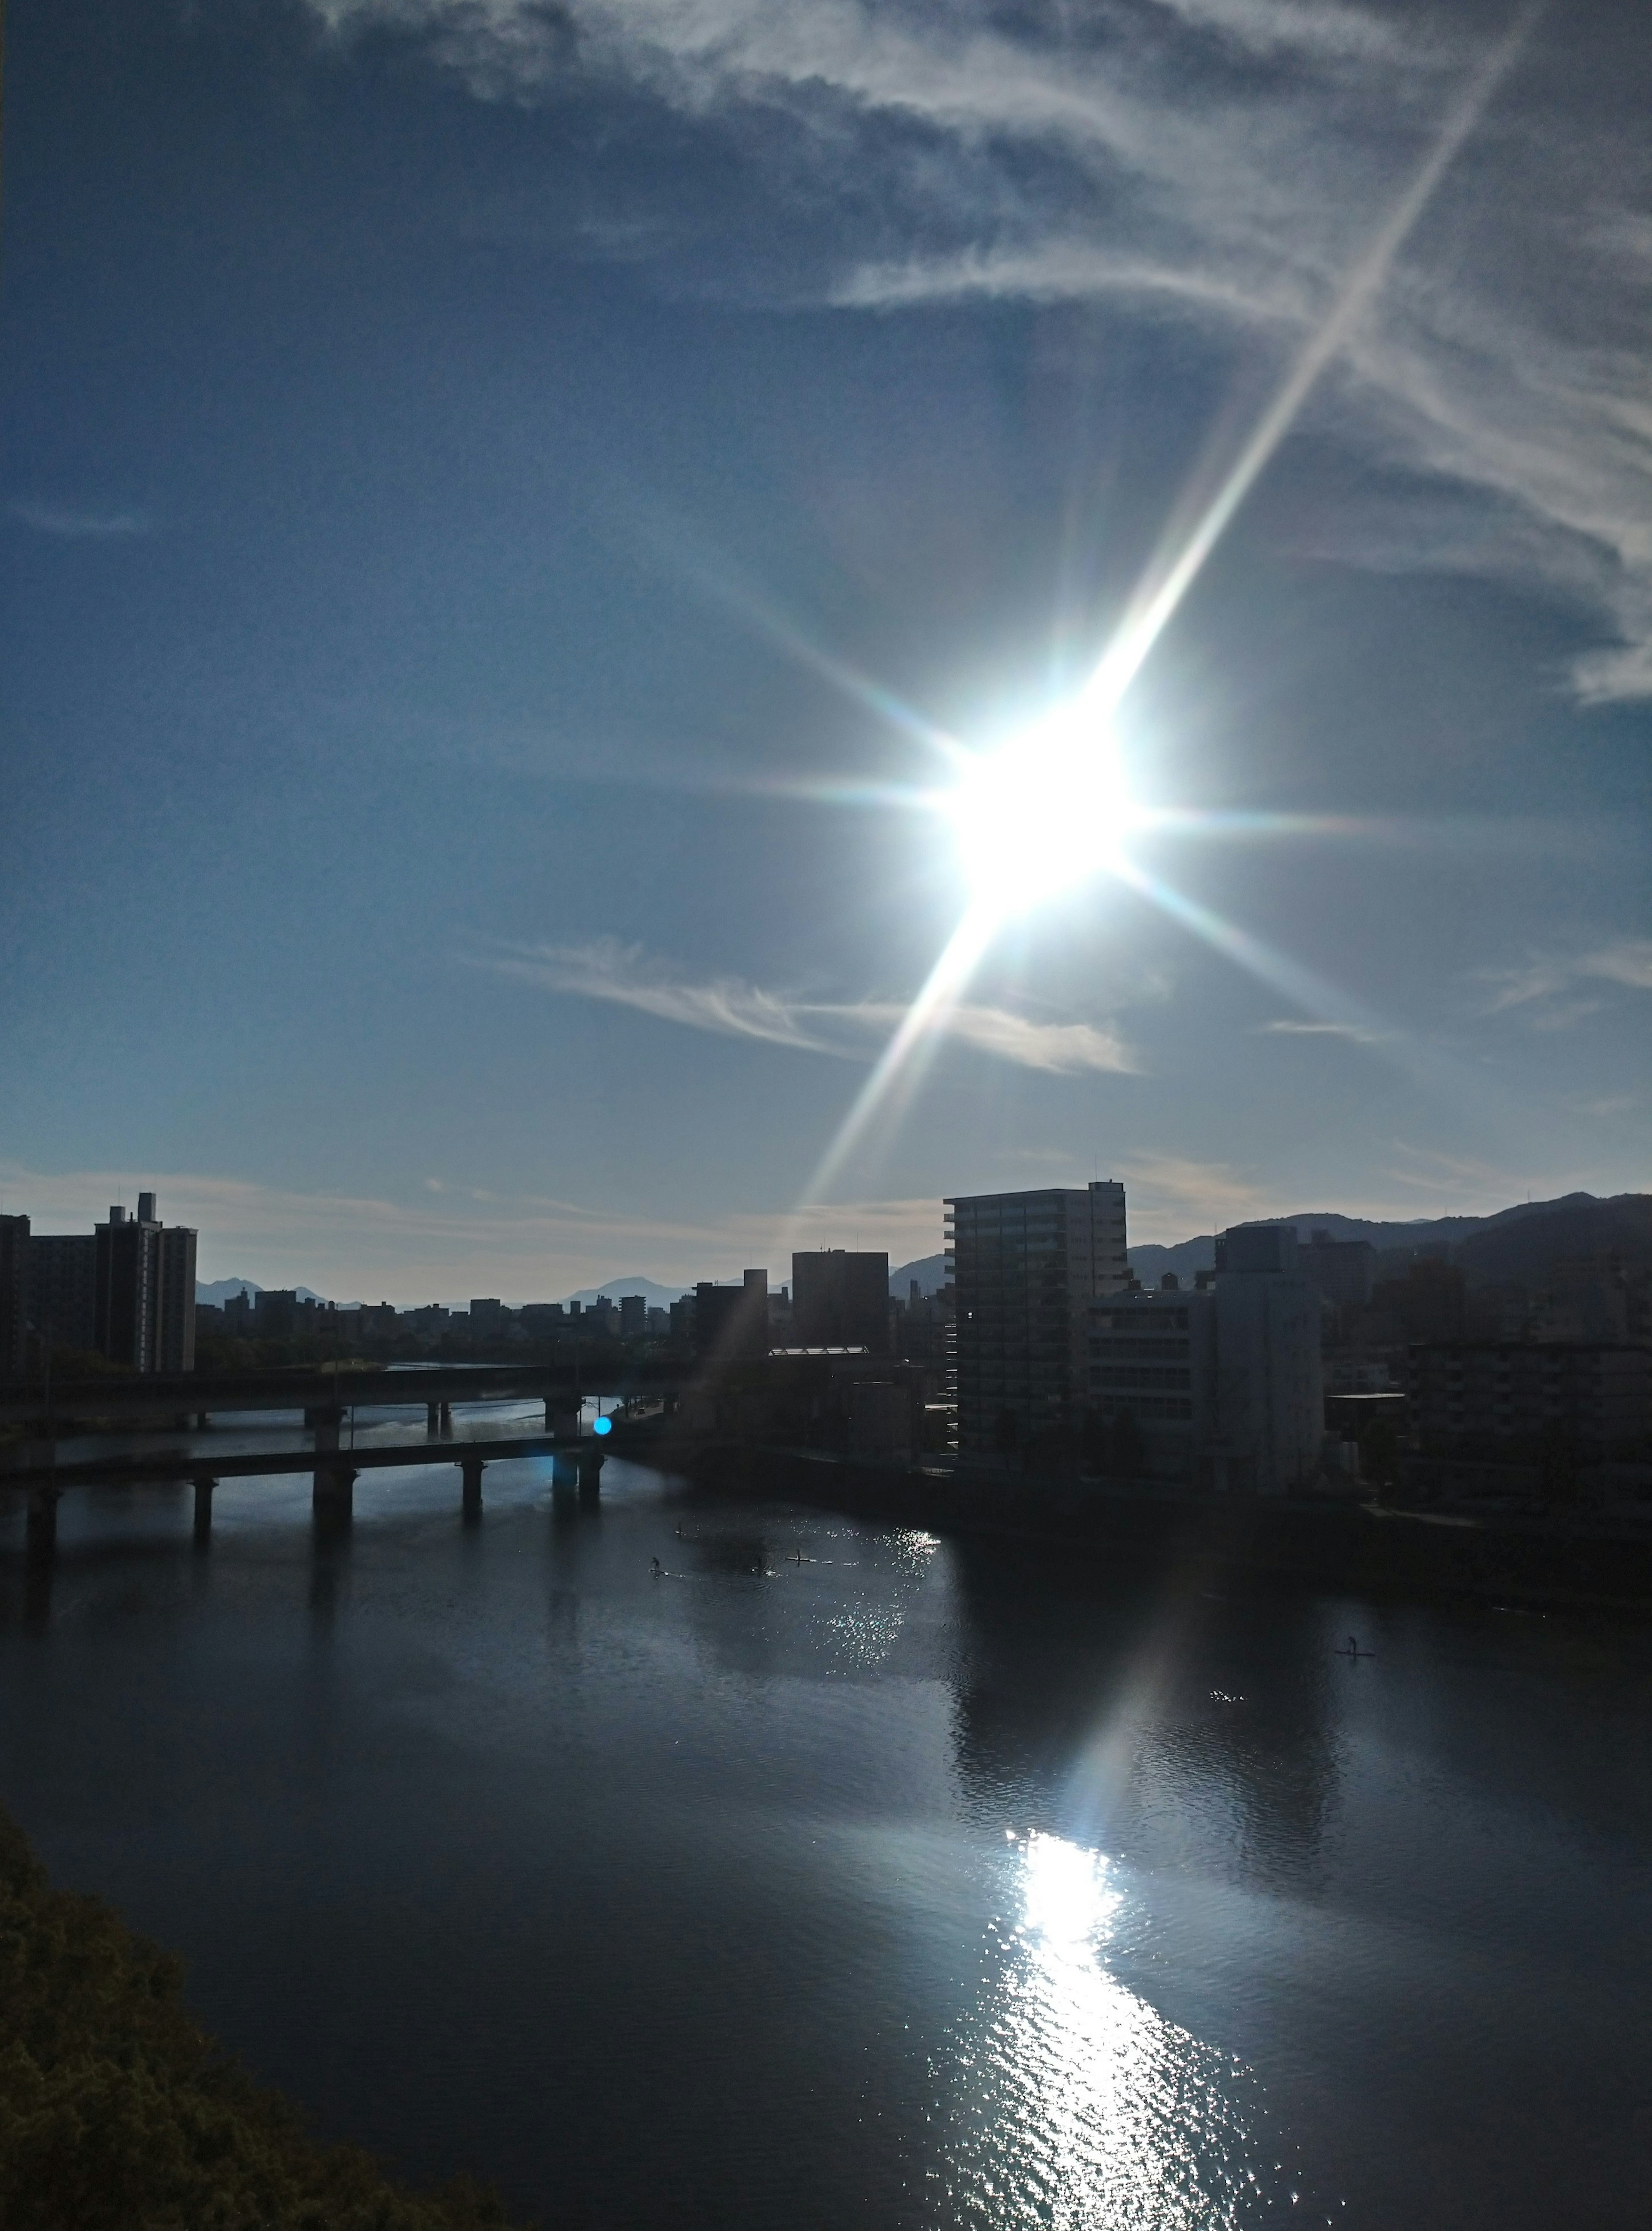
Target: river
{"type": "Point", "coordinates": [845, 1875]}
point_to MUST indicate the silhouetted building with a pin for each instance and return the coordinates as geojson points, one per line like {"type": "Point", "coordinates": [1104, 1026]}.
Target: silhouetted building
{"type": "Point", "coordinates": [63, 1289]}
{"type": "Point", "coordinates": [14, 1296]}
{"type": "Point", "coordinates": [732, 1321]}
{"type": "Point", "coordinates": [634, 1316]}
{"type": "Point", "coordinates": [1024, 1268]}
{"type": "Point", "coordinates": [840, 1300]}
{"type": "Point", "coordinates": [1595, 1395]}
{"type": "Point", "coordinates": [144, 1290]}
{"type": "Point", "coordinates": [1341, 1272]}
{"type": "Point", "coordinates": [275, 1313]}
{"type": "Point", "coordinates": [1221, 1386]}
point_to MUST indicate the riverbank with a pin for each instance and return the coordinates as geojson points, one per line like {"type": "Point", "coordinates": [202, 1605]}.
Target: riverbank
{"type": "Point", "coordinates": [118, 2112]}
{"type": "Point", "coordinates": [1343, 1544]}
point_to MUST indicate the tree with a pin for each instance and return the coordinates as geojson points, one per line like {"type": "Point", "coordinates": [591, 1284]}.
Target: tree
{"type": "Point", "coordinates": [118, 2113]}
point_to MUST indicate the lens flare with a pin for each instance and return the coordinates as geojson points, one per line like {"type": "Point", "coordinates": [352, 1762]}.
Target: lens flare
{"type": "Point", "coordinates": [1041, 813]}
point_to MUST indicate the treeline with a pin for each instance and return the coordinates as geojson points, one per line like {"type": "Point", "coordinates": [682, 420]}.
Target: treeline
{"type": "Point", "coordinates": [119, 2113]}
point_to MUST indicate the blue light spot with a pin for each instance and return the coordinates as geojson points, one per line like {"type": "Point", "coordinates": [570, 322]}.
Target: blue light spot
{"type": "Point", "coordinates": [603, 1425]}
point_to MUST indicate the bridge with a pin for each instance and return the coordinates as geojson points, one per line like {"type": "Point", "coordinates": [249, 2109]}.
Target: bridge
{"type": "Point", "coordinates": [166, 1399]}
{"type": "Point", "coordinates": [576, 1463]}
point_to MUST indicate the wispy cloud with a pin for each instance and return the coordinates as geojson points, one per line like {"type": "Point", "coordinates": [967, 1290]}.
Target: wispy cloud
{"type": "Point", "coordinates": [1287, 1027]}
{"type": "Point", "coordinates": [1552, 990]}
{"type": "Point", "coordinates": [71, 522]}
{"type": "Point", "coordinates": [626, 976]}
{"type": "Point", "coordinates": [606, 969]}
{"type": "Point", "coordinates": [1226, 160]}
{"type": "Point", "coordinates": [1171, 1194]}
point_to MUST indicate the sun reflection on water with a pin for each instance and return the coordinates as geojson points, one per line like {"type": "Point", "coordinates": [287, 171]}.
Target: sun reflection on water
{"type": "Point", "coordinates": [1075, 2104]}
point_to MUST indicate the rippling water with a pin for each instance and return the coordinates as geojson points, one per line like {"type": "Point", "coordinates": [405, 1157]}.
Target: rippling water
{"type": "Point", "coordinates": [843, 1875]}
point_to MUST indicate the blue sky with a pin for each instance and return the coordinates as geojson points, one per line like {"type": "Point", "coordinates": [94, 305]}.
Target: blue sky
{"type": "Point", "coordinates": [498, 502]}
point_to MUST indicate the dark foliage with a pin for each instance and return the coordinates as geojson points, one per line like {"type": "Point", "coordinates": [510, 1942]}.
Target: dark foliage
{"type": "Point", "coordinates": [118, 2113]}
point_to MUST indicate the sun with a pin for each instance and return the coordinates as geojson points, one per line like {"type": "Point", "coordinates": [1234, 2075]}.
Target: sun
{"type": "Point", "coordinates": [1042, 812]}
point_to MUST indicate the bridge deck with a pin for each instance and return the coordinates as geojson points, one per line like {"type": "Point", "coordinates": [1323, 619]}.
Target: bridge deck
{"type": "Point", "coordinates": [180, 1464]}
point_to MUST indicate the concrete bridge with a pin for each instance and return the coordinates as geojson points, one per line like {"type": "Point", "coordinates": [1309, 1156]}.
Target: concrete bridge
{"type": "Point", "coordinates": [576, 1464]}
{"type": "Point", "coordinates": [170, 1398]}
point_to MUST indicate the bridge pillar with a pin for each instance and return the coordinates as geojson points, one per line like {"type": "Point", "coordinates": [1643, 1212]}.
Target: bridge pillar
{"type": "Point", "coordinates": [325, 1418]}
{"type": "Point", "coordinates": [564, 1471]}
{"type": "Point", "coordinates": [202, 1421]}
{"type": "Point", "coordinates": [590, 1462]}
{"type": "Point", "coordinates": [334, 1496]}
{"type": "Point", "coordinates": [433, 1418]}
{"type": "Point", "coordinates": [446, 1417]}
{"type": "Point", "coordinates": [561, 1421]}
{"type": "Point", "coordinates": [470, 1470]}
{"type": "Point", "coordinates": [41, 1525]}
{"type": "Point", "coordinates": [204, 1484]}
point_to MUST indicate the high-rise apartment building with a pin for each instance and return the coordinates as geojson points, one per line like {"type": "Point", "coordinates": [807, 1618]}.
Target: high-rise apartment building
{"type": "Point", "coordinates": [63, 1289]}
{"type": "Point", "coordinates": [14, 1296]}
{"type": "Point", "coordinates": [1223, 1383]}
{"type": "Point", "coordinates": [840, 1299]}
{"type": "Point", "coordinates": [143, 1301]}
{"type": "Point", "coordinates": [1025, 1268]}
{"type": "Point", "coordinates": [634, 1316]}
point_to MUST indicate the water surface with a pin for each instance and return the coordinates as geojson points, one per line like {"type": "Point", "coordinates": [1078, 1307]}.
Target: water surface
{"type": "Point", "coordinates": [844, 1875]}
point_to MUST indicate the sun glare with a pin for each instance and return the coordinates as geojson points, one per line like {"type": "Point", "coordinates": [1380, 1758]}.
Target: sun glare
{"type": "Point", "coordinates": [1042, 812]}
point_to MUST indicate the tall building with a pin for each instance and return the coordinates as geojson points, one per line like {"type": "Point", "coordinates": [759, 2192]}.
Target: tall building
{"type": "Point", "coordinates": [634, 1316]}
{"type": "Point", "coordinates": [1025, 1268]}
{"type": "Point", "coordinates": [1223, 1383]}
{"type": "Point", "coordinates": [1341, 1272]}
{"type": "Point", "coordinates": [62, 1288]}
{"type": "Point", "coordinates": [732, 1321]}
{"type": "Point", "coordinates": [14, 1296]}
{"type": "Point", "coordinates": [840, 1300]}
{"type": "Point", "coordinates": [143, 1305]}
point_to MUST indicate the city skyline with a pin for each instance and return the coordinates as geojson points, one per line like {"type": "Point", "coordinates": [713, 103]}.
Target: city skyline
{"type": "Point", "coordinates": [504, 546]}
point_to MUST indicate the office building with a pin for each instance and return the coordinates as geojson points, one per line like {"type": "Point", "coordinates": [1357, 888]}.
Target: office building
{"type": "Point", "coordinates": [634, 1316]}
{"type": "Point", "coordinates": [1222, 1384]}
{"type": "Point", "coordinates": [840, 1300]}
{"type": "Point", "coordinates": [733, 1322]}
{"type": "Point", "coordinates": [1024, 1268]}
{"type": "Point", "coordinates": [14, 1296]}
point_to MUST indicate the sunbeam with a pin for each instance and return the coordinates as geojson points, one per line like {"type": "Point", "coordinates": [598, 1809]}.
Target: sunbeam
{"type": "Point", "coordinates": [1051, 808]}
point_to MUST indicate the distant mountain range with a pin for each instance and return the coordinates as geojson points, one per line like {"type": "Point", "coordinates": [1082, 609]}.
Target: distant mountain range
{"type": "Point", "coordinates": [656, 1296]}
{"type": "Point", "coordinates": [219, 1291]}
{"type": "Point", "coordinates": [930, 1271]}
{"type": "Point", "coordinates": [1514, 1243]}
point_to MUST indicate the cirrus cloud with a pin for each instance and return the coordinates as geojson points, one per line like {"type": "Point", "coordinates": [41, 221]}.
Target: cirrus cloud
{"type": "Point", "coordinates": [606, 969]}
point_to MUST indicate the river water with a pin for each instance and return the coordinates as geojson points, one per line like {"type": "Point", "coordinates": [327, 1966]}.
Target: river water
{"type": "Point", "coordinates": [921, 1882]}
